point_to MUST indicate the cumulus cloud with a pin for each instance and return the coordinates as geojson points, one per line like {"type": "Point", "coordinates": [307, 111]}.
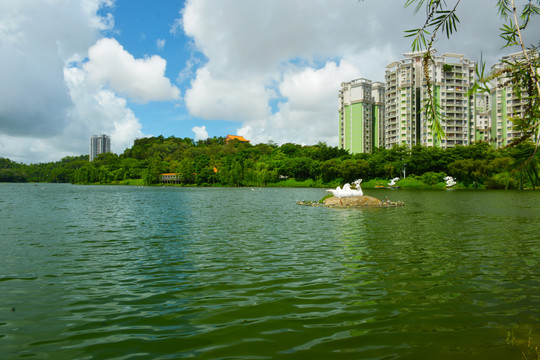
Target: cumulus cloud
{"type": "Point", "coordinates": [200, 132]}
{"type": "Point", "coordinates": [225, 98]}
{"type": "Point", "coordinates": [258, 36]}
{"type": "Point", "coordinates": [92, 111]}
{"type": "Point", "coordinates": [142, 80]}
{"type": "Point", "coordinates": [61, 83]}
{"type": "Point", "coordinates": [99, 112]}
{"type": "Point", "coordinates": [33, 49]}
{"type": "Point", "coordinates": [276, 66]}
{"type": "Point", "coordinates": [300, 118]}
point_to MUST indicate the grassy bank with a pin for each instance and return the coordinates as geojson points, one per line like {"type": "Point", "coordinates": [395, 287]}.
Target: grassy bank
{"type": "Point", "coordinates": [411, 182]}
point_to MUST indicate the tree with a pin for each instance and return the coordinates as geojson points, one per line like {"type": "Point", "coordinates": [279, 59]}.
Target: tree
{"type": "Point", "coordinates": [330, 170]}
{"type": "Point", "coordinates": [525, 164]}
{"type": "Point", "coordinates": [235, 174]}
{"type": "Point", "coordinates": [324, 152]}
{"type": "Point", "coordinates": [502, 179]}
{"type": "Point", "coordinates": [351, 170]}
{"type": "Point", "coordinates": [290, 149]}
{"type": "Point", "coordinates": [11, 175]}
{"type": "Point", "coordinates": [425, 159]}
{"type": "Point", "coordinates": [470, 171]}
{"type": "Point", "coordinates": [131, 168]}
{"type": "Point", "coordinates": [186, 171]}
{"type": "Point", "coordinates": [87, 174]}
{"type": "Point", "coordinates": [151, 175]}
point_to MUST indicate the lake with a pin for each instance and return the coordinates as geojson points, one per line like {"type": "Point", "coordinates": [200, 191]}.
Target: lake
{"type": "Point", "coordinates": [118, 272]}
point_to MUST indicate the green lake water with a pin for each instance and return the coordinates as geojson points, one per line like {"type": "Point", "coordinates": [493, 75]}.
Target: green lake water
{"type": "Point", "coordinates": [112, 272]}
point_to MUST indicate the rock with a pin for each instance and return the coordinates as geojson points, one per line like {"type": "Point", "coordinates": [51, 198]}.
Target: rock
{"type": "Point", "coordinates": [366, 201]}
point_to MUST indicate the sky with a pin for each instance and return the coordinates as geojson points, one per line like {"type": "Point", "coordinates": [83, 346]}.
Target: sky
{"type": "Point", "coordinates": [267, 70]}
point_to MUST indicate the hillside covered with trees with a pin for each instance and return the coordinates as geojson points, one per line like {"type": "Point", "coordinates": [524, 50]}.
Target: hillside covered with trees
{"type": "Point", "coordinates": [216, 162]}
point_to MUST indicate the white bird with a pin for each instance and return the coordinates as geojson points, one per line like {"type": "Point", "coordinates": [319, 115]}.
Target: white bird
{"type": "Point", "coordinates": [338, 192]}
{"type": "Point", "coordinates": [450, 181]}
{"type": "Point", "coordinates": [358, 190]}
{"type": "Point", "coordinates": [393, 181]}
{"type": "Point", "coordinates": [347, 191]}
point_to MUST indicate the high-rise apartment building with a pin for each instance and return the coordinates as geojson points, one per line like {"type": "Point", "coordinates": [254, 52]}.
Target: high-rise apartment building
{"type": "Point", "coordinates": [482, 121]}
{"type": "Point", "coordinates": [99, 144]}
{"type": "Point", "coordinates": [506, 103]}
{"type": "Point", "coordinates": [377, 93]}
{"type": "Point", "coordinates": [406, 91]}
{"type": "Point", "coordinates": [361, 115]}
{"type": "Point", "coordinates": [373, 114]}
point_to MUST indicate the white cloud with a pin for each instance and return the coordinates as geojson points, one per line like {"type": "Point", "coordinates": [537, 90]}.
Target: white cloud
{"type": "Point", "coordinates": [177, 24]}
{"type": "Point", "coordinates": [300, 118]}
{"type": "Point", "coordinates": [33, 49]}
{"type": "Point", "coordinates": [258, 36]}
{"type": "Point", "coordinates": [99, 112]}
{"type": "Point", "coordinates": [142, 80]}
{"type": "Point", "coordinates": [188, 71]}
{"type": "Point", "coordinates": [37, 39]}
{"type": "Point", "coordinates": [200, 132]}
{"type": "Point", "coordinates": [225, 98]}
{"type": "Point", "coordinates": [60, 84]}
{"type": "Point", "coordinates": [92, 113]}
{"type": "Point", "coordinates": [160, 44]}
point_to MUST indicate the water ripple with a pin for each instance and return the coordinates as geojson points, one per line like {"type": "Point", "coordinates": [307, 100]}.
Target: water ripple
{"type": "Point", "coordinates": [167, 273]}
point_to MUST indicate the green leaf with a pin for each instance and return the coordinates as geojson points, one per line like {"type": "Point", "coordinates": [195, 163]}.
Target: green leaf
{"type": "Point", "coordinates": [504, 8]}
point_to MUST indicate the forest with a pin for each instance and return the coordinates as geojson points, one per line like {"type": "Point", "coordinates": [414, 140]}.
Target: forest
{"type": "Point", "coordinates": [216, 162]}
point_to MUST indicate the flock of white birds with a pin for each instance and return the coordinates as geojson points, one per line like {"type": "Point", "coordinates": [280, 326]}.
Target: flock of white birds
{"type": "Point", "coordinates": [347, 190]}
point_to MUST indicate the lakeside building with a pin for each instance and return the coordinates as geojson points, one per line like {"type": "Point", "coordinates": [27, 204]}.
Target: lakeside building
{"type": "Point", "coordinates": [99, 144]}
{"type": "Point", "coordinates": [361, 115]}
{"type": "Point", "coordinates": [236, 137]}
{"type": "Point", "coordinates": [374, 114]}
{"type": "Point", "coordinates": [482, 121]}
{"type": "Point", "coordinates": [506, 103]}
{"type": "Point", "coordinates": [406, 90]}
{"type": "Point", "coordinates": [377, 93]}
{"type": "Point", "coordinates": [170, 178]}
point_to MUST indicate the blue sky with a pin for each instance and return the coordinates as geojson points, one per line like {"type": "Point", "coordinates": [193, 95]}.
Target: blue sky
{"type": "Point", "coordinates": [266, 70]}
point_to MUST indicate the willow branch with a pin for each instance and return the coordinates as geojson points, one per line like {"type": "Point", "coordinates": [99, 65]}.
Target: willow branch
{"type": "Point", "coordinates": [534, 74]}
{"type": "Point", "coordinates": [524, 49]}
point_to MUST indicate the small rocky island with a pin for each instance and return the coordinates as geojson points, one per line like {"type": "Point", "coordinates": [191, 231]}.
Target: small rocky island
{"type": "Point", "coordinates": [348, 197]}
{"type": "Point", "coordinates": [356, 201]}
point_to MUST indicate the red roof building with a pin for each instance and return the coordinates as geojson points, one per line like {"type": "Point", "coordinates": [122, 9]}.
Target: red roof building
{"type": "Point", "coordinates": [237, 137]}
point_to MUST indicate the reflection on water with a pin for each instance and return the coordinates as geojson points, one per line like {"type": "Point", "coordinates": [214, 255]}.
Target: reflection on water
{"type": "Point", "coordinates": [126, 272]}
